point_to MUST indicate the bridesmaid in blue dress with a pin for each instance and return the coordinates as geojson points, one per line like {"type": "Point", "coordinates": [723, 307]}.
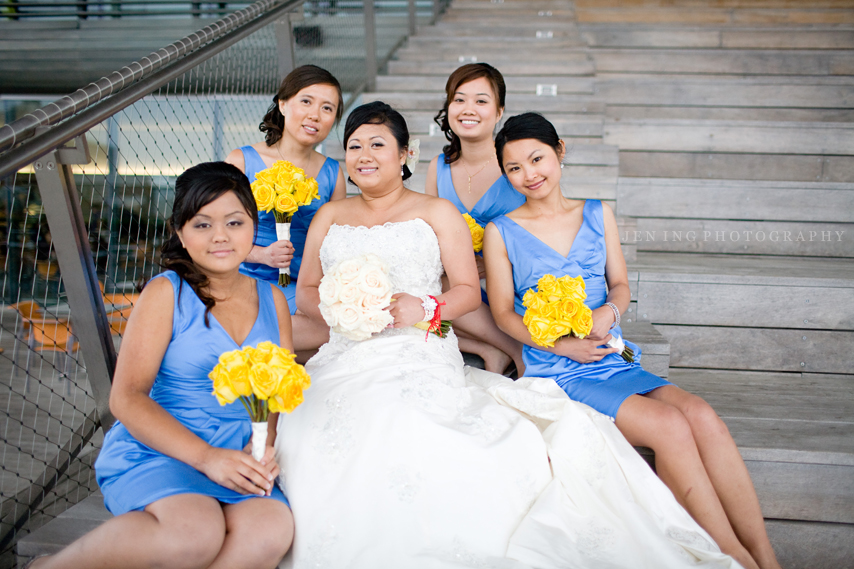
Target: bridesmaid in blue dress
{"type": "Point", "coordinates": [694, 452]}
{"type": "Point", "coordinates": [172, 468]}
{"type": "Point", "coordinates": [304, 110]}
{"type": "Point", "coordinates": [467, 174]}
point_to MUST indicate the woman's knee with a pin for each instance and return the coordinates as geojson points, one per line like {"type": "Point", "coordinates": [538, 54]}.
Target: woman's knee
{"type": "Point", "coordinates": [266, 529]}
{"type": "Point", "coordinates": [192, 540]}
{"type": "Point", "coordinates": [671, 430]}
{"type": "Point", "coordinates": [703, 419]}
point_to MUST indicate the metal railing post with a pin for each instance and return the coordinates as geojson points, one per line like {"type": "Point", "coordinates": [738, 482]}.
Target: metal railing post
{"type": "Point", "coordinates": [61, 204]}
{"type": "Point", "coordinates": [436, 8]}
{"type": "Point", "coordinates": [413, 18]}
{"type": "Point", "coordinates": [370, 46]}
{"type": "Point", "coordinates": [285, 46]}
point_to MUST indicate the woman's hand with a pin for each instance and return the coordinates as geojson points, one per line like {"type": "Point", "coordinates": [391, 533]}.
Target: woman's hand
{"type": "Point", "coordinates": [277, 255]}
{"type": "Point", "coordinates": [603, 319]}
{"type": "Point", "coordinates": [481, 267]}
{"type": "Point", "coordinates": [268, 461]}
{"type": "Point", "coordinates": [238, 471]}
{"type": "Point", "coordinates": [406, 310]}
{"type": "Point", "coordinates": [584, 350]}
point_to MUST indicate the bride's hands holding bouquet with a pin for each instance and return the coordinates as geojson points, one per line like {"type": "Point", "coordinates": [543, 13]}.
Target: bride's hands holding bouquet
{"type": "Point", "coordinates": [406, 310]}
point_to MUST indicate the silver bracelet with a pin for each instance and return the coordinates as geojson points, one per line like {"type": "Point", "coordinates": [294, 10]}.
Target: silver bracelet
{"type": "Point", "coordinates": [429, 306]}
{"type": "Point", "coordinates": [616, 314]}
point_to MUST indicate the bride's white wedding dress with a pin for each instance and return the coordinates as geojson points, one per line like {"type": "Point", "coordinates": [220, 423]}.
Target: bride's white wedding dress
{"type": "Point", "coordinates": [400, 457]}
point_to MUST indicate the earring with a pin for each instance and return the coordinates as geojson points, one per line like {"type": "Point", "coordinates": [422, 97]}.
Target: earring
{"type": "Point", "coordinates": [402, 173]}
{"type": "Point", "coordinates": [561, 165]}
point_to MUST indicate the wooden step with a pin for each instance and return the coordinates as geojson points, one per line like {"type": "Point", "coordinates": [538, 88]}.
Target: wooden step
{"type": "Point", "coordinates": [506, 53]}
{"type": "Point", "coordinates": [731, 61]}
{"type": "Point", "coordinates": [509, 67]}
{"type": "Point", "coordinates": [748, 16]}
{"type": "Point", "coordinates": [514, 84]}
{"type": "Point", "coordinates": [427, 42]}
{"type": "Point", "coordinates": [726, 311]}
{"type": "Point", "coordinates": [516, 103]}
{"type": "Point", "coordinates": [635, 36]}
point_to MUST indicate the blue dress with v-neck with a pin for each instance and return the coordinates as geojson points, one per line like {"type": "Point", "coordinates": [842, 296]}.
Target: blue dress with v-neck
{"type": "Point", "coordinates": [266, 234]}
{"type": "Point", "coordinates": [132, 475]}
{"type": "Point", "coordinates": [605, 384]}
{"type": "Point", "coordinates": [500, 198]}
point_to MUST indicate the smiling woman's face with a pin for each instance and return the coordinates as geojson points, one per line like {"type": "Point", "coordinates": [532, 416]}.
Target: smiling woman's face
{"type": "Point", "coordinates": [219, 237]}
{"type": "Point", "coordinates": [373, 159]}
{"type": "Point", "coordinates": [473, 112]}
{"type": "Point", "coordinates": [532, 167]}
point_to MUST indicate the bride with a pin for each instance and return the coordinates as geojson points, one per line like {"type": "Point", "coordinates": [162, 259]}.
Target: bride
{"type": "Point", "coordinates": [401, 457]}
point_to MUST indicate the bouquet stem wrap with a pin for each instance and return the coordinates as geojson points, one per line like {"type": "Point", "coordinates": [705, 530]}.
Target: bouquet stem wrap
{"type": "Point", "coordinates": [259, 439]}
{"type": "Point", "coordinates": [283, 232]}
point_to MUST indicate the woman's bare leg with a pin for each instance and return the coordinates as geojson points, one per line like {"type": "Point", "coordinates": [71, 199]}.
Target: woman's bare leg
{"type": "Point", "coordinates": [726, 470]}
{"type": "Point", "coordinates": [181, 532]}
{"type": "Point", "coordinates": [258, 533]}
{"type": "Point", "coordinates": [663, 428]}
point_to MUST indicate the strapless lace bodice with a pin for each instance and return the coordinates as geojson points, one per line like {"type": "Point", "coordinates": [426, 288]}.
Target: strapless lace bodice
{"type": "Point", "coordinates": [410, 248]}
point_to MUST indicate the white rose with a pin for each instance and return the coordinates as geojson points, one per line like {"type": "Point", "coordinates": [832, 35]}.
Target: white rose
{"type": "Point", "coordinates": [374, 281]}
{"type": "Point", "coordinates": [349, 293]}
{"type": "Point", "coordinates": [372, 303]}
{"type": "Point", "coordinates": [347, 271]}
{"type": "Point", "coordinates": [349, 316]}
{"type": "Point", "coordinates": [328, 290]}
{"type": "Point", "coordinates": [329, 314]}
{"type": "Point", "coordinates": [379, 320]}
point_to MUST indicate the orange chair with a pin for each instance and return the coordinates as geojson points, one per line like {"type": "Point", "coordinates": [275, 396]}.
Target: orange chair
{"type": "Point", "coordinates": [28, 310]}
{"type": "Point", "coordinates": [54, 335]}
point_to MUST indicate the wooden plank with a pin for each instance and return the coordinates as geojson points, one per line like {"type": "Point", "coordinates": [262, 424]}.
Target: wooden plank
{"type": "Point", "coordinates": [516, 103]}
{"type": "Point", "coordinates": [618, 111]}
{"type": "Point", "coordinates": [635, 36]}
{"type": "Point", "coordinates": [744, 270]}
{"type": "Point", "coordinates": [514, 84]}
{"type": "Point", "coordinates": [806, 38]}
{"type": "Point", "coordinates": [508, 67]}
{"type": "Point", "coordinates": [755, 62]}
{"type": "Point", "coordinates": [738, 199]}
{"type": "Point", "coordinates": [730, 136]}
{"type": "Point", "coordinates": [686, 93]}
{"type": "Point", "coordinates": [759, 349]}
{"type": "Point", "coordinates": [506, 53]}
{"type": "Point", "coordinates": [725, 166]}
{"type": "Point", "coordinates": [811, 545]}
{"type": "Point", "coordinates": [713, 304]}
{"type": "Point", "coordinates": [743, 237]}
{"type": "Point", "coordinates": [427, 42]}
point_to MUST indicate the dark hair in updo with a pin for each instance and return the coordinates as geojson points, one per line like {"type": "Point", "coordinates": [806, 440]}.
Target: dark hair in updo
{"type": "Point", "coordinates": [378, 112]}
{"type": "Point", "coordinates": [523, 127]}
{"type": "Point", "coordinates": [194, 189]}
{"type": "Point", "coordinates": [304, 76]}
{"type": "Point", "coordinates": [462, 75]}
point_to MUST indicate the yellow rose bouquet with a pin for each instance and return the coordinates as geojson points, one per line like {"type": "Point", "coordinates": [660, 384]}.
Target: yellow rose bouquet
{"type": "Point", "coordinates": [265, 379]}
{"type": "Point", "coordinates": [283, 188]}
{"type": "Point", "coordinates": [556, 309]}
{"type": "Point", "coordinates": [476, 233]}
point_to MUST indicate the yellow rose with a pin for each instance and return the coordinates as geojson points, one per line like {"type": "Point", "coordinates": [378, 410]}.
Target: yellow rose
{"type": "Point", "coordinates": [260, 353]}
{"type": "Point", "coordinates": [289, 394]}
{"type": "Point", "coordinates": [534, 302]}
{"type": "Point", "coordinates": [264, 379]}
{"type": "Point", "coordinates": [265, 197]}
{"type": "Point", "coordinates": [282, 358]}
{"type": "Point", "coordinates": [539, 328]}
{"type": "Point", "coordinates": [285, 203]}
{"type": "Point", "coordinates": [305, 191]}
{"type": "Point", "coordinates": [476, 233]}
{"type": "Point", "coordinates": [582, 322]}
{"type": "Point", "coordinates": [549, 288]}
{"type": "Point", "coordinates": [572, 288]}
{"type": "Point", "coordinates": [231, 377]}
{"type": "Point", "coordinates": [567, 308]}
{"type": "Point", "coordinates": [557, 330]}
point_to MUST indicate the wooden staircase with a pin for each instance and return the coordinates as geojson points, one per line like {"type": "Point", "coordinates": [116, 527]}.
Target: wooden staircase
{"type": "Point", "coordinates": [695, 120]}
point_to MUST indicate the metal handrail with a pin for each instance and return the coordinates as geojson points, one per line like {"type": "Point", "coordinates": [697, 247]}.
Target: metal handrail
{"type": "Point", "coordinates": [262, 12]}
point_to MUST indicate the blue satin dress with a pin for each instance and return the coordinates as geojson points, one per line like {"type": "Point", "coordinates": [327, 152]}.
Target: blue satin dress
{"type": "Point", "coordinates": [605, 384]}
{"type": "Point", "coordinates": [499, 199]}
{"type": "Point", "coordinates": [326, 180]}
{"type": "Point", "coordinates": [132, 475]}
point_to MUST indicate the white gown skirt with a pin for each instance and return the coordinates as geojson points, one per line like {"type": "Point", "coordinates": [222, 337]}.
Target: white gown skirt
{"type": "Point", "coordinates": [401, 458]}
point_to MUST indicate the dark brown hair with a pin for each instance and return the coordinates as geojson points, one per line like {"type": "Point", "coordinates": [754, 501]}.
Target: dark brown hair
{"type": "Point", "coordinates": [462, 75]}
{"type": "Point", "coordinates": [377, 112]}
{"type": "Point", "coordinates": [194, 189]}
{"type": "Point", "coordinates": [304, 76]}
{"type": "Point", "coordinates": [523, 127]}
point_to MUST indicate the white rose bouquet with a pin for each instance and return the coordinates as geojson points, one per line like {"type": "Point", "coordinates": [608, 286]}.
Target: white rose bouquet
{"type": "Point", "coordinates": [354, 295]}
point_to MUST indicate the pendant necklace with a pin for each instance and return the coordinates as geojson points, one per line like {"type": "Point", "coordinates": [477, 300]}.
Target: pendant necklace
{"type": "Point", "coordinates": [469, 174]}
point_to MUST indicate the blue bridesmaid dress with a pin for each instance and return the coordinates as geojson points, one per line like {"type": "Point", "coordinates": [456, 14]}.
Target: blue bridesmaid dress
{"type": "Point", "coordinates": [132, 475]}
{"type": "Point", "coordinates": [499, 199]}
{"type": "Point", "coordinates": [605, 384]}
{"type": "Point", "coordinates": [326, 180]}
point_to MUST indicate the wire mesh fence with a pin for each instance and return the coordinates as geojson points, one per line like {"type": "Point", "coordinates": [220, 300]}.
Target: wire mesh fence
{"type": "Point", "coordinates": [50, 437]}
